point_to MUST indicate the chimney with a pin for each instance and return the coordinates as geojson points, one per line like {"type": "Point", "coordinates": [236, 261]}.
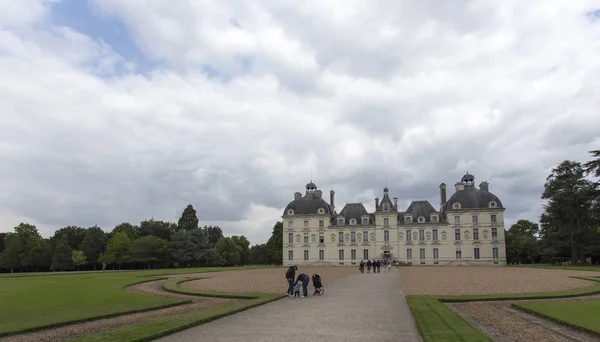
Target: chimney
{"type": "Point", "coordinates": [396, 203]}
{"type": "Point", "coordinates": [484, 186]}
{"type": "Point", "coordinates": [459, 186]}
{"type": "Point", "coordinates": [319, 193]}
{"type": "Point", "coordinates": [331, 198]}
{"type": "Point", "coordinates": [376, 203]}
{"type": "Point", "coordinates": [297, 195]}
{"type": "Point", "coordinates": [443, 193]}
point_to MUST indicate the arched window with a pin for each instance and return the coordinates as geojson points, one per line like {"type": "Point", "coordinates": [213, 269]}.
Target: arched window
{"type": "Point", "coordinates": [291, 212]}
{"type": "Point", "coordinates": [493, 204]}
{"type": "Point", "coordinates": [456, 206]}
{"type": "Point", "coordinates": [421, 219]}
{"type": "Point", "coordinates": [321, 211]}
{"type": "Point", "coordinates": [353, 221]}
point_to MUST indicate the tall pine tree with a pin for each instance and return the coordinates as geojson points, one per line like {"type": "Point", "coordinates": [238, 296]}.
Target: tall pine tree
{"type": "Point", "coordinates": [188, 219]}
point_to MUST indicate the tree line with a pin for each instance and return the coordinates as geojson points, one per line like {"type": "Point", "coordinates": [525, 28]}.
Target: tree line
{"type": "Point", "coordinates": [151, 244]}
{"type": "Point", "coordinates": [569, 227]}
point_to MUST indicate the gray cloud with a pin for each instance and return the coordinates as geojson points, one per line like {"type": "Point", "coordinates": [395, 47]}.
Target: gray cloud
{"type": "Point", "coordinates": [413, 92]}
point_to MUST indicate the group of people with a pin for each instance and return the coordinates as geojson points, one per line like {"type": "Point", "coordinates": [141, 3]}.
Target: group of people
{"type": "Point", "coordinates": [376, 264]}
{"type": "Point", "coordinates": [293, 286]}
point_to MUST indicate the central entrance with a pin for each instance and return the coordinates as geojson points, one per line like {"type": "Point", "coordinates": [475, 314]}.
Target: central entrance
{"type": "Point", "coordinates": [387, 255]}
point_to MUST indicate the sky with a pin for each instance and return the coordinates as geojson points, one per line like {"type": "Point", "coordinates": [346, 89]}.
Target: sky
{"type": "Point", "coordinates": [119, 111]}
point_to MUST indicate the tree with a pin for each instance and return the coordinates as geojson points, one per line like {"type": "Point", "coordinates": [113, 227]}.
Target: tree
{"type": "Point", "coordinates": [11, 256]}
{"type": "Point", "coordinates": [126, 228]}
{"type": "Point", "coordinates": [93, 244]}
{"type": "Point", "coordinates": [258, 255]}
{"type": "Point", "coordinates": [188, 219]}
{"type": "Point", "coordinates": [74, 235]}
{"type": "Point", "coordinates": [161, 229]}
{"type": "Point", "coordinates": [148, 249]}
{"type": "Point", "coordinates": [570, 201]}
{"type": "Point", "coordinates": [2, 235]}
{"type": "Point", "coordinates": [228, 252]}
{"type": "Point", "coordinates": [274, 247]}
{"type": "Point", "coordinates": [188, 247]}
{"type": "Point", "coordinates": [244, 248]}
{"type": "Point", "coordinates": [78, 258]}
{"type": "Point", "coordinates": [593, 166]}
{"type": "Point", "coordinates": [63, 255]}
{"type": "Point", "coordinates": [521, 242]}
{"type": "Point", "coordinates": [117, 251]}
{"type": "Point", "coordinates": [213, 234]}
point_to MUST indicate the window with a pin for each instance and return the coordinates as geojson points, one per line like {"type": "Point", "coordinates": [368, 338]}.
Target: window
{"type": "Point", "coordinates": [409, 254]}
{"type": "Point", "coordinates": [321, 224]}
{"type": "Point", "coordinates": [475, 219]}
{"type": "Point", "coordinates": [341, 236]}
{"type": "Point", "coordinates": [291, 224]}
{"type": "Point", "coordinates": [290, 212]}
{"type": "Point", "coordinates": [290, 237]}
{"type": "Point", "coordinates": [305, 224]}
{"type": "Point", "coordinates": [290, 255]}
{"type": "Point", "coordinates": [492, 204]}
{"type": "Point", "coordinates": [386, 235]}
{"type": "Point", "coordinates": [408, 219]}
{"type": "Point", "coordinates": [365, 221]}
{"type": "Point", "coordinates": [365, 254]}
{"type": "Point", "coordinates": [422, 254]}
{"type": "Point", "coordinates": [306, 254]}
{"type": "Point", "coordinates": [434, 219]}
{"type": "Point", "coordinates": [493, 218]}
{"type": "Point", "coordinates": [341, 254]}
{"type": "Point", "coordinates": [435, 235]}
{"type": "Point", "coordinates": [386, 221]}
{"type": "Point", "coordinates": [495, 253]}
{"type": "Point", "coordinates": [436, 254]}
{"type": "Point", "coordinates": [366, 236]}
{"type": "Point", "coordinates": [340, 222]}
{"type": "Point", "coordinates": [321, 211]}
{"type": "Point", "coordinates": [456, 234]}
{"type": "Point", "coordinates": [352, 236]}
{"type": "Point", "coordinates": [458, 254]}
{"type": "Point", "coordinates": [476, 253]}
{"type": "Point", "coordinates": [494, 233]}
{"type": "Point", "coordinates": [456, 206]}
{"type": "Point", "coordinates": [408, 236]}
{"type": "Point", "coordinates": [353, 254]}
{"type": "Point", "coordinates": [352, 221]}
{"type": "Point", "coordinates": [421, 219]}
{"type": "Point", "coordinates": [475, 233]}
{"type": "Point", "coordinates": [421, 235]}
{"type": "Point", "coordinates": [321, 237]}
{"type": "Point", "coordinates": [456, 219]}
{"type": "Point", "coordinates": [305, 237]}
{"type": "Point", "coordinates": [321, 255]}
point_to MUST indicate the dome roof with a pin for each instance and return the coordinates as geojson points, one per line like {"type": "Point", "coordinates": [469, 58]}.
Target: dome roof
{"type": "Point", "coordinates": [308, 205]}
{"type": "Point", "coordinates": [473, 198]}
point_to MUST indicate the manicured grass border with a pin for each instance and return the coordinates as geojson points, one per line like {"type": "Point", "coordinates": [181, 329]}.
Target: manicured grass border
{"type": "Point", "coordinates": [554, 319]}
{"type": "Point", "coordinates": [162, 327]}
{"type": "Point", "coordinates": [94, 318]}
{"type": "Point", "coordinates": [174, 286]}
{"type": "Point", "coordinates": [437, 322]}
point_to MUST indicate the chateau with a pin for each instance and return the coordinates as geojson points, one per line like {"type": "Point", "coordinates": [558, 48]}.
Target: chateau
{"type": "Point", "coordinates": [467, 229]}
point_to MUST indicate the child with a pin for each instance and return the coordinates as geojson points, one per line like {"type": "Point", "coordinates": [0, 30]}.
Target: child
{"type": "Point", "coordinates": [297, 290]}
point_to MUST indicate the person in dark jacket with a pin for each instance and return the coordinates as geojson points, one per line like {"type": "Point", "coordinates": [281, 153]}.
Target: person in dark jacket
{"type": "Point", "coordinates": [369, 266]}
{"type": "Point", "coordinates": [290, 274]}
{"type": "Point", "coordinates": [305, 279]}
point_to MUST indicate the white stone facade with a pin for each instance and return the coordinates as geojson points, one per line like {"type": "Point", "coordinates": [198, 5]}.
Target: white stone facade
{"type": "Point", "coordinates": [468, 229]}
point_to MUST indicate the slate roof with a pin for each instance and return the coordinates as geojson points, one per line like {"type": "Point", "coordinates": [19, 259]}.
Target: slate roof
{"type": "Point", "coordinates": [386, 199]}
{"type": "Point", "coordinates": [473, 198]}
{"type": "Point", "coordinates": [420, 208]}
{"type": "Point", "coordinates": [354, 211]}
{"type": "Point", "coordinates": [308, 205]}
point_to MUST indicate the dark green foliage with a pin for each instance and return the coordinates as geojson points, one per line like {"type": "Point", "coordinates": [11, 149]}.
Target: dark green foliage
{"type": "Point", "coordinates": [522, 245]}
{"type": "Point", "coordinates": [275, 245]}
{"type": "Point", "coordinates": [126, 228]}
{"type": "Point", "coordinates": [228, 252]}
{"type": "Point", "coordinates": [243, 248]}
{"type": "Point", "coordinates": [2, 235]}
{"type": "Point", "coordinates": [11, 256]}
{"type": "Point", "coordinates": [213, 234]}
{"type": "Point", "coordinates": [149, 250]}
{"type": "Point", "coordinates": [63, 255]}
{"type": "Point", "coordinates": [74, 235]}
{"type": "Point", "coordinates": [188, 220]}
{"type": "Point", "coordinates": [188, 247]}
{"type": "Point", "coordinates": [161, 229]}
{"type": "Point", "coordinates": [94, 244]}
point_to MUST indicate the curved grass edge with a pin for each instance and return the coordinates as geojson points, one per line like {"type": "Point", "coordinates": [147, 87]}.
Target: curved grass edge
{"type": "Point", "coordinates": [175, 287]}
{"type": "Point", "coordinates": [448, 328]}
{"type": "Point", "coordinates": [554, 319]}
{"type": "Point", "coordinates": [162, 327]}
{"type": "Point", "coordinates": [99, 317]}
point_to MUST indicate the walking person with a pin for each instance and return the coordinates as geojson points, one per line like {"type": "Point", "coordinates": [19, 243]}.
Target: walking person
{"type": "Point", "coordinates": [290, 274]}
{"type": "Point", "coordinates": [361, 267]}
{"type": "Point", "coordinates": [378, 266]}
{"type": "Point", "coordinates": [305, 279]}
{"type": "Point", "coordinates": [368, 266]}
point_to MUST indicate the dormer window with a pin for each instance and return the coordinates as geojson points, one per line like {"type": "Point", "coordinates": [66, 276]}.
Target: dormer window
{"type": "Point", "coordinates": [290, 212]}
{"type": "Point", "coordinates": [386, 207]}
{"type": "Point", "coordinates": [456, 206]}
{"type": "Point", "coordinates": [434, 219]}
{"type": "Point", "coordinates": [340, 222]}
{"type": "Point", "coordinates": [493, 204]}
{"type": "Point", "coordinates": [352, 221]}
{"type": "Point", "coordinates": [365, 221]}
{"type": "Point", "coordinates": [408, 219]}
{"type": "Point", "coordinates": [321, 211]}
{"type": "Point", "coordinates": [421, 219]}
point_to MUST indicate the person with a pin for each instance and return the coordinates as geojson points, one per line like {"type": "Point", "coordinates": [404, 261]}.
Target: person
{"type": "Point", "coordinates": [369, 266]}
{"type": "Point", "coordinates": [305, 279]}
{"type": "Point", "coordinates": [290, 274]}
{"type": "Point", "coordinates": [297, 290]}
{"type": "Point", "coordinates": [362, 267]}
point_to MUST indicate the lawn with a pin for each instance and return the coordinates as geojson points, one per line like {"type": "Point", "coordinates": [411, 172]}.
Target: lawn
{"type": "Point", "coordinates": [34, 301]}
{"type": "Point", "coordinates": [580, 314]}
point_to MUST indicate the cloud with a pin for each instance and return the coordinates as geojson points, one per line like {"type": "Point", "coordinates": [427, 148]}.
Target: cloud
{"type": "Point", "coordinates": [239, 104]}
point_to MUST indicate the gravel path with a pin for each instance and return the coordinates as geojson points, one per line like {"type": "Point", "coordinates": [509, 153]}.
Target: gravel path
{"type": "Point", "coordinates": [489, 280]}
{"type": "Point", "coordinates": [263, 280]}
{"type": "Point", "coordinates": [153, 288]}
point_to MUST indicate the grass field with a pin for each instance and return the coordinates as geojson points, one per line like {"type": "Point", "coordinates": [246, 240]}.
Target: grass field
{"type": "Point", "coordinates": [34, 301]}
{"type": "Point", "coordinates": [581, 314]}
{"type": "Point", "coordinates": [592, 268]}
